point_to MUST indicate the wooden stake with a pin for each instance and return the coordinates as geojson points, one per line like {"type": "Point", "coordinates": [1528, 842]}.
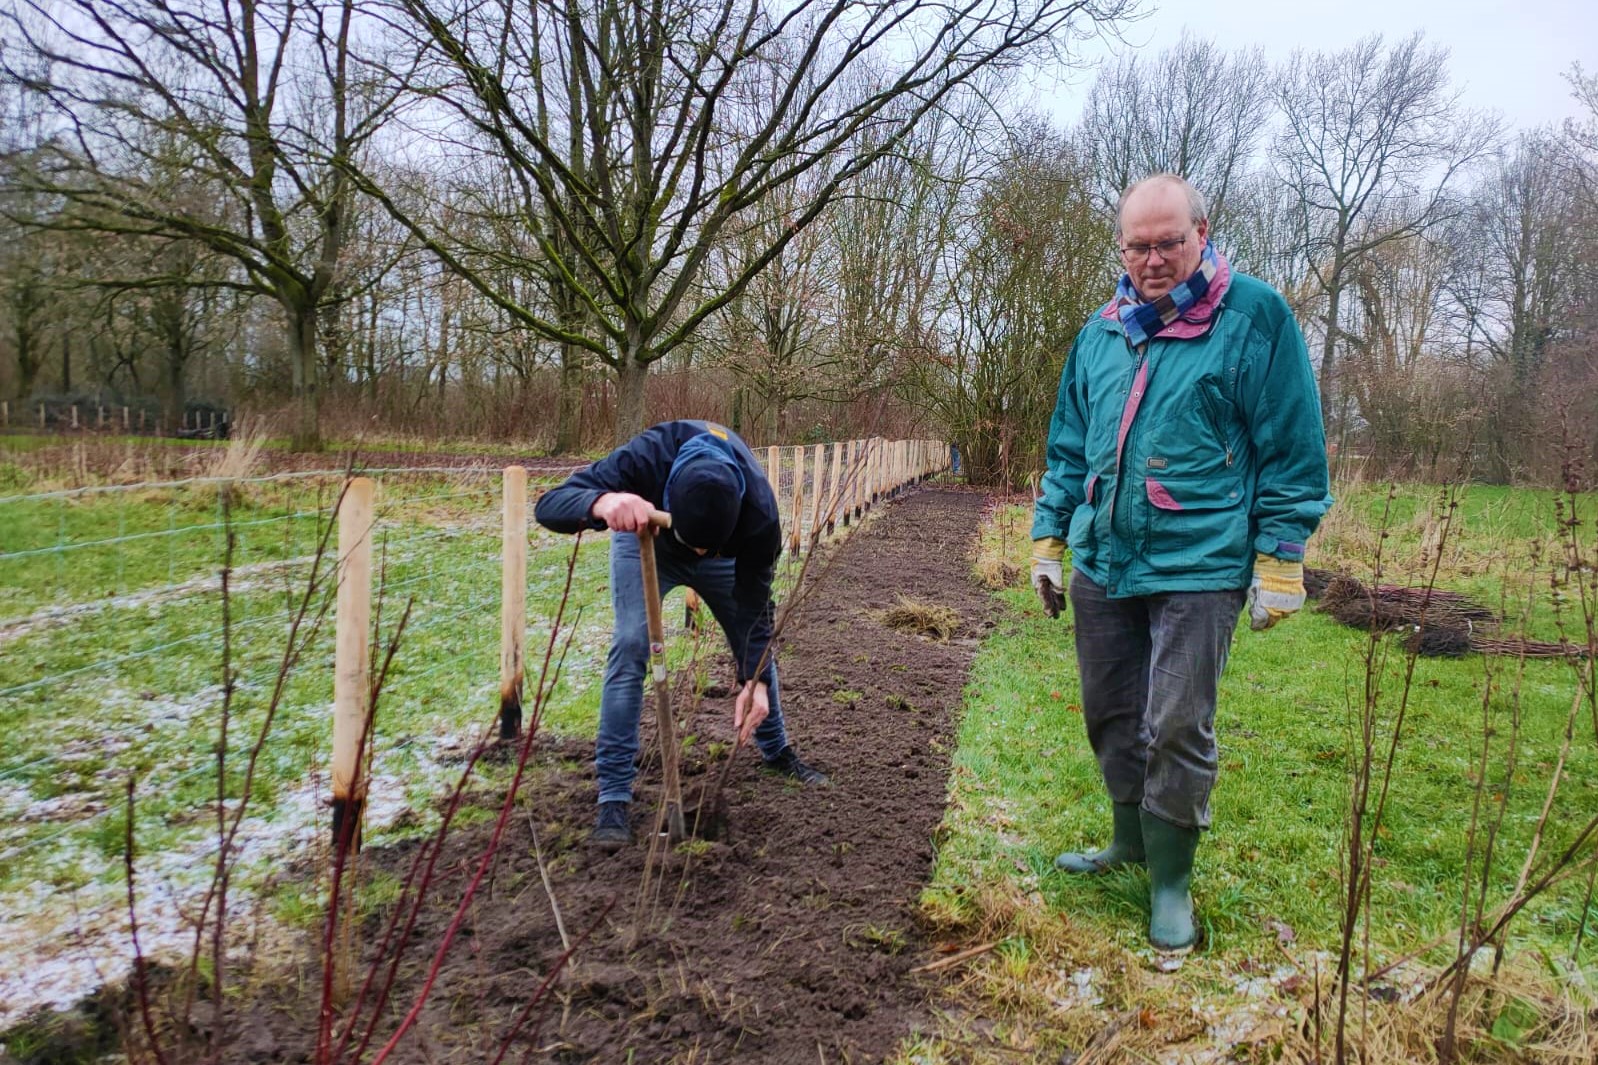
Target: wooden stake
{"type": "Point", "coordinates": [74, 415]}
{"type": "Point", "coordinates": [665, 720]}
{"type": "Point", "coordinates": [869, 487]}
{"type": "Point", "coordinates": [124, 419]}
{"type": "Point", "coordinates": [857, 476]}
{"type": "Point", "coordinates": [351, 661]}
{"type": "Point", "coordinates": [836, 487]}
{"type": "Point", "coordinates": [796, 533]}
{"type": "Point", "coordinates": [513, 602]}
{"type": "Point", "coordinates": [818, 484]}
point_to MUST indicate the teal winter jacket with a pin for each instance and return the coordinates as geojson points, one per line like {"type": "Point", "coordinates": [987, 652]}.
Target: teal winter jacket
{"type": "Point", "coordinates": [1171, 466]}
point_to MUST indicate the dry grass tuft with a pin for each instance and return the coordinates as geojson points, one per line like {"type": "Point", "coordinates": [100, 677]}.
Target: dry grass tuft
{"type": "Point", "coordinates": [998, 573]}
{"type": "Point", "coordinates": [242, 455]}
{"type": "Point", "coordinates": [920, 619]}
{"type": "Point", "coordinates": [1048, 989]}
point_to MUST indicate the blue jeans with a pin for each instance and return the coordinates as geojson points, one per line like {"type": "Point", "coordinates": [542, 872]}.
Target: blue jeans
{"type": "Point", "coordinates": [622, 700]}
{"type": "Point", "coordinates": [1150, 668]}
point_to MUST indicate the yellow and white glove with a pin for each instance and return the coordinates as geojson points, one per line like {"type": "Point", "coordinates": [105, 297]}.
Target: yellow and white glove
{"type": "Point", "coordinates": [1048, 576]}
{"type": "Point", "coordinates": [1276, 592]}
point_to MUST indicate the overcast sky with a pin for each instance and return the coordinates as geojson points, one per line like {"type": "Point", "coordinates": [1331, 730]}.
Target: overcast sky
{"type": "Point", "coordinates": [1507, 56]}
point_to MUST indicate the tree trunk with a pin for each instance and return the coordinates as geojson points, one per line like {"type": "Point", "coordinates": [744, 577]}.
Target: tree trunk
{"type": "Point", "coordinates": [173, 396]}
{"type": "Point", "coordinates": [631, 378]}
{"type": "Point", "coordinates": [569, 417]}
{"type": "Point", "coordinates": [1334, 299]}
{"type": "Point", "coordinates": [30, 359]}
{"type": "Point", "coordinates": [302, 346]}
{"type": "Point", "coordinates": [66, 365]}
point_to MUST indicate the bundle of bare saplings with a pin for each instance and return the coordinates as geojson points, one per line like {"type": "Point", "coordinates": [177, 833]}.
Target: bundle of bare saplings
{"type": "Point", "coordinates": [1439, 623]}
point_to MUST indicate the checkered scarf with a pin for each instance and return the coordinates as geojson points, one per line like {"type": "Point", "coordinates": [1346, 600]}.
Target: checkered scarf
{"type": "Point", "coordinates": [1144, 320]}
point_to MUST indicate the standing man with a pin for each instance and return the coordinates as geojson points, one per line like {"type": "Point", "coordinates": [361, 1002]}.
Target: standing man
{"type": "Point", "coordinates": [1186, 469]}
{"type": "Point", "coordinates": [723, 543]}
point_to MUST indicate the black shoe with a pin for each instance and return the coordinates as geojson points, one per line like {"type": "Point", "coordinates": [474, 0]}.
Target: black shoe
{"type": "Point", "coordinates": [612, 830]}
{"type": "Point", "coordinates": [788, 764]}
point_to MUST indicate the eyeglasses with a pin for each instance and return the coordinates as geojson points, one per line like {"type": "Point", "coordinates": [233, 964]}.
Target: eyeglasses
{"type": "Point", "coordinates": [1166, 248]}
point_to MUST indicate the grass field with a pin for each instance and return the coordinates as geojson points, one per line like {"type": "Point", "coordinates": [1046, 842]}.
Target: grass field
{"type": "Point", "coordinates": [1270, 878]}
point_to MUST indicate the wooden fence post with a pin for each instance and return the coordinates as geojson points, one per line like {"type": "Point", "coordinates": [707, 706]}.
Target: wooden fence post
{"type": "Point", "coordinates": [351, 663]}
{"type": "Point", "coordinates": [513, 602]}
{"type": "Point", "coordinates": [873, 453]}
{"type": "Point", "coordinates": [818, 484]}
{"type": "Point", "coordinates": [857, 477]}
{"type": "Point", "coordinates": [124, 419]}
{"type": "Point", "coordinates": [796, 536]}
{"type": "Point", "coordinates": [41, 416]}
{"type": "Point", "coordinates": [74, 415]}
{"type": "Point", "coordinates": [834, 494]}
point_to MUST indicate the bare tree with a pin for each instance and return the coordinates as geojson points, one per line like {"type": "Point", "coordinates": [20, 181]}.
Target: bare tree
{"type": "Point", "coordinates": [635, 133]}
{"type": "Point", "coordinates": [1413, 384]}
{"type": "Point", "coordinates": [226, 123]}
{"type": "Point", "coordinates": [1193, 110]}
{"type": "Point", "coordinates": [1514, 279]}
{"type": "Point", "coordinates": [1372, 140]}
{"type": "Point", "coordinates": [1032, 263]}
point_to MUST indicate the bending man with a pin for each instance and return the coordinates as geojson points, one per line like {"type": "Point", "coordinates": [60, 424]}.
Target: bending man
{"type": "Point", "coordinates": [723, 543]}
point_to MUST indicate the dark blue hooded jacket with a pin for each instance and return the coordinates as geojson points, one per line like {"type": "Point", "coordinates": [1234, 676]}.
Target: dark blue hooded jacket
{"type": "Point", "coordinates": [641, 466]}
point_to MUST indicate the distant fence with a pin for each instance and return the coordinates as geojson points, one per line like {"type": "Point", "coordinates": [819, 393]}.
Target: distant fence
{"type": "Point", "coordinates": [197, 421]}
{"type": "Point", "coordinates": [112, 627]}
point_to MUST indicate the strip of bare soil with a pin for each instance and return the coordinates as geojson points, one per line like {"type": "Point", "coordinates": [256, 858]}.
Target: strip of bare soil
{"type": "Point", "coordinates": [790, 942]}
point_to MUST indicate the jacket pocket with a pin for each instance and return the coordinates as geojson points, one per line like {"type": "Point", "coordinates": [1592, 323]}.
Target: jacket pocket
{"type": "Point", "coordinates": [1195, 525]}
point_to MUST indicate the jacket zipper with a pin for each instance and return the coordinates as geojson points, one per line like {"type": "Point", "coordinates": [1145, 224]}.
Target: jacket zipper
{"type": "Point", "coordinates": [1215, 421]}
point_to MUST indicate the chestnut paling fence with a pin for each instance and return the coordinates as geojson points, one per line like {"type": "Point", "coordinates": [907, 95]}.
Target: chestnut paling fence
{"type": "Point", "coordinates": [113, 636]}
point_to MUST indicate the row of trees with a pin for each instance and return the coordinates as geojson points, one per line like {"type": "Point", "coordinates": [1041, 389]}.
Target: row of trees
{"type": "Point", "coordinates": [811, 215]}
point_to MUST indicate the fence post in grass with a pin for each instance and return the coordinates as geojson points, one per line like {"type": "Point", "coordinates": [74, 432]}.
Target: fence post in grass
{"type": "Point", "coordinates": [41, 416]}
{"type": "Point", "coordinates": [74, 415]}
{"type": "Point", "coordinates": [351, 662]}
{"type": "Point", "coordinates": [796, 535]}
{"type": "Point", "coordinates": [513, 603]}
{"type": "Point", "coordinates": [5, 413]}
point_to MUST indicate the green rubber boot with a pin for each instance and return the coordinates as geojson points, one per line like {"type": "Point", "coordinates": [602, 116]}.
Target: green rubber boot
{"type": "Point", "coordinates": [1170, 856]}
{"type": "Point", "coordinates": [1126, 846]}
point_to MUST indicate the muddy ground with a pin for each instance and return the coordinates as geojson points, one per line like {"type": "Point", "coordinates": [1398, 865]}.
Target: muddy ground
{"type": "Point", "coordinates": [791, 941]}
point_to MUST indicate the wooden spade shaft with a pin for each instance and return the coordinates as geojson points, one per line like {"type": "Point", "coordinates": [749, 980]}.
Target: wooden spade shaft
{"type": "Point", "coordinates": [666, 724]}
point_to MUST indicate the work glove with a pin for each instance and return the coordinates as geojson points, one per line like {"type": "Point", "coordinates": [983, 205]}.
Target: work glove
{"type": "Point", "coordinates": [1048, 576]}
{"type": "Point", "coordinates": [1276, 592]}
